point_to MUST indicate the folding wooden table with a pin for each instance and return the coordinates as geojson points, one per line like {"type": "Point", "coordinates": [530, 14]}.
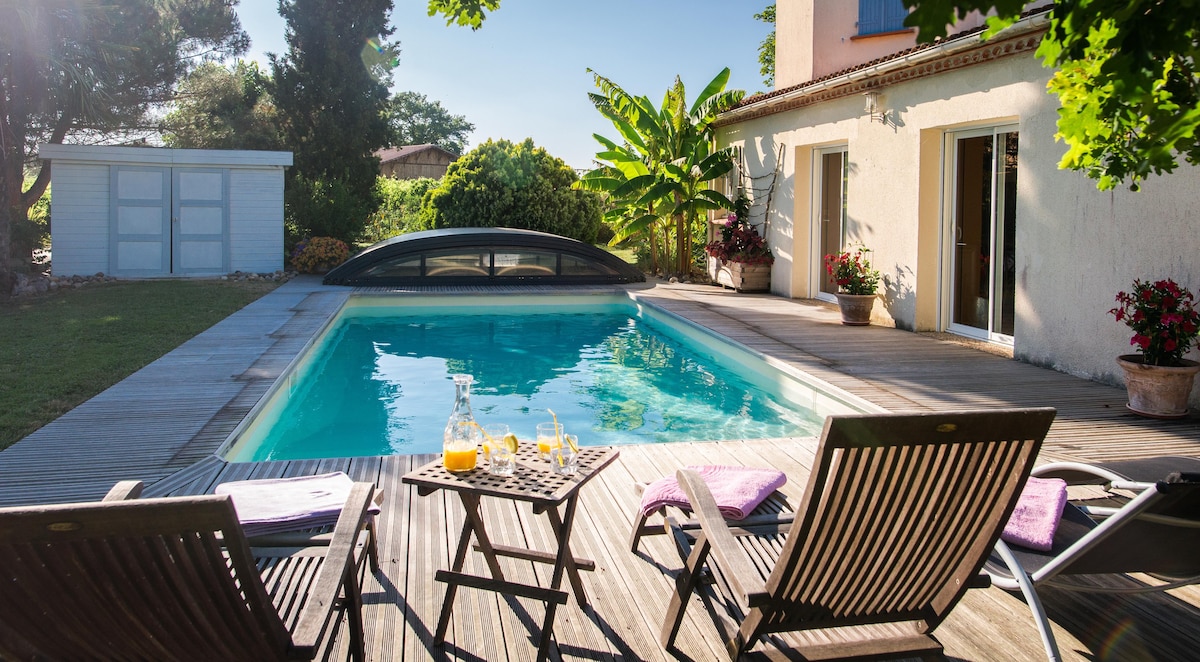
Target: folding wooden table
{"type": "Point", "coordinates": [547, 492]}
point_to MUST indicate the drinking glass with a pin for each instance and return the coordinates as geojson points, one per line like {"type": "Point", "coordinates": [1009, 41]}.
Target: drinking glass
{"type": "Point", "coordinates": [496, 432]}
{"type": "Point", "coordinates": [503, 462]}
{"type": "Point", "coordinates": [549, 435]}
{"type": "Point", "coordinates": [564, 461]}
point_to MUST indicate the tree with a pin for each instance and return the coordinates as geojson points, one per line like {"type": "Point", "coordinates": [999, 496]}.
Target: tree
{"type": "Point", "coordinates": [766, 50]}
{"type": "Point", "coordinates": [1125, 77]}
{"type": "Point", "coordinates": [223, 108]}
{"type": "Point", "coordinates": [662, 169]}
{"type": "Point", "coordinates": [415, 120]}
{"type": "Point", "coordinates": [82, 67]}
{"type": "Point", "coordinates": [512, 185]}
{"type": "Point", "coordinates": [463, 12]}
{"type": "Point", "coordinates": [330, 91]}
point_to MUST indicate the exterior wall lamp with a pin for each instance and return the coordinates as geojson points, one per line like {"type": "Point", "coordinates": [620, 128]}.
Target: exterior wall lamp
{"type": "Point", "coordinates": [874, 108]}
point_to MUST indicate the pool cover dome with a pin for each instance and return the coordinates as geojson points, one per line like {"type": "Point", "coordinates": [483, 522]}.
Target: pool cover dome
{"type": "Point", "coordinates": [478, 256]}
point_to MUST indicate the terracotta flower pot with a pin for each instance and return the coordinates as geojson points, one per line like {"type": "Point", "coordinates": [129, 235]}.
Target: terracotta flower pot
{"type": "Point", "coordinates": [856, 308]}
{"type": "Point", "coordinates": [1158, 391]}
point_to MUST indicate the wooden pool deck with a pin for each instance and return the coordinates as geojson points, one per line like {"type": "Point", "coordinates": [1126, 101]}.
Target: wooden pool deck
{"type": "Point", "coordinates": [162, 425]}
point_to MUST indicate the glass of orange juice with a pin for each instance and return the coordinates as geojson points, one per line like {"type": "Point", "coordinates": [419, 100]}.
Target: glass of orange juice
{"type": "Point", "coordinates": [459, 457]}
{"type": "Point", "coordinates": [549, 435]}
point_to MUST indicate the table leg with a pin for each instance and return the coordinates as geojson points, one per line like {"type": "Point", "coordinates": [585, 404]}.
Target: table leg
{"type": "Point", "coordinates": [475, 516]}
{"type": "Point", "coordinates": [563, 533]}
{"type": "Point", "coordinates": [556, 523]}
{"type": "Point", "coordinates": [472, 523]}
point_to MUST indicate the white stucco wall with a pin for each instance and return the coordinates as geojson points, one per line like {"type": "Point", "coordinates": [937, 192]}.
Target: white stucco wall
{"type": "Point", "coordinates": [1076, 247]}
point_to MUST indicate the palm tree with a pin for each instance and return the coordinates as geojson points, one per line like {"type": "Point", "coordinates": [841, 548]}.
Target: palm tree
{"type": "Point", "coordinates": [657, 179]}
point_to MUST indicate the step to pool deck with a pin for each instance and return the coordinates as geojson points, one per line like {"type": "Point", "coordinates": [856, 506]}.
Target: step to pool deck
{"type": "Point", "coordinates": [180, 409]}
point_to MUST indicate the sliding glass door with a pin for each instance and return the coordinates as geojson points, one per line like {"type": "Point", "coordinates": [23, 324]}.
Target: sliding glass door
{"type": "Point", "coordinates": [830, 213]}
{"type": "Point", "coordinates": [983, 233]}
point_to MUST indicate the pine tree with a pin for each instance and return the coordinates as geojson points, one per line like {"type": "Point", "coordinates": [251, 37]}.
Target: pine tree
{"type": "Point", "coordinates": [331, 91]}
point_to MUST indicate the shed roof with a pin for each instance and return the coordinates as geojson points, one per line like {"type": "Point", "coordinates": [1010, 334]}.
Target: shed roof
{"type": "Point", "coordinates": [164, 156]}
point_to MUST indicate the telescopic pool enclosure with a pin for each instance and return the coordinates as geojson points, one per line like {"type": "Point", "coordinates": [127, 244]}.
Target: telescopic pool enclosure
{"type": "Point", "coordinates": [478, 256]}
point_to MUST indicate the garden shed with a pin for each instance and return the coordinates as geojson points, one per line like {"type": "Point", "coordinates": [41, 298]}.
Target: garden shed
{"type": "Point", "coordinates": [144, 212]}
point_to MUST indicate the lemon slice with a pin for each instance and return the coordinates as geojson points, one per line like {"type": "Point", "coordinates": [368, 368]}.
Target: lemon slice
{"type": "Point", "coordinates": [571, 442]}
{"type": "Point", "coordinates": [510, 442]}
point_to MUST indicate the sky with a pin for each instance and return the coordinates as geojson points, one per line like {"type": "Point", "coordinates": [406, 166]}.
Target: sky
{"type": "Point", "coordinates": [524, 73]}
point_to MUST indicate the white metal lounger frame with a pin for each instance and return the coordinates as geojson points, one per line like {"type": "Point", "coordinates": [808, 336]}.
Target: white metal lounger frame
{"type": "Point", "coordinates": [1112, 520]}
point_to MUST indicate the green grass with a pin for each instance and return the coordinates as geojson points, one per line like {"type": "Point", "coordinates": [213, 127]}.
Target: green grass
{"type": "Point", "coordinates": [63, 348]}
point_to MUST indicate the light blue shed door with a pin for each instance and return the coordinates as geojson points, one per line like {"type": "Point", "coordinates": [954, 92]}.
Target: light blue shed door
{"type": "Point", "coordinates": [169, 221]}
{"type": "Point", "coordinates": [201, 221]}
{"type": "Point", "coordinates": [140, 221]}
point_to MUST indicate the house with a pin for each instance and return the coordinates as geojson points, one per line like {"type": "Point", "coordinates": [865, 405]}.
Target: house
{"type": "Point", "coordinates": [941, 159]}
{"type": "Point", "coordinates": [148, 212]}
{"type": "Point", "coordinates": [414, 161]}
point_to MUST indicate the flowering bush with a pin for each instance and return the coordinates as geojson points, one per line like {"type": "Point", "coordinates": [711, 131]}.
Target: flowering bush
{"type": "Point", "coordinates": [1163, 318]}
{"type": "Point", "coordinates": [319, 254]}
{"type": "Point", "coordinates": [740, 242]}
{"type": "Point", "coordinates": [852, 271]}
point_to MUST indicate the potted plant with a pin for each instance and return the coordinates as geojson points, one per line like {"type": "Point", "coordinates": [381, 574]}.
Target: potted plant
{"type": "Point", "coordinates": [740, 258]}
{"type": "Point", "coordinates": [856, 282]}
{"type": "Point", "coordinates": [1165, 325]}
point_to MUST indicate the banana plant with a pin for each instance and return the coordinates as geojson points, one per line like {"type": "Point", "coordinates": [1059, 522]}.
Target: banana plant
{"type": "Point", "coordinates": [657, 178]}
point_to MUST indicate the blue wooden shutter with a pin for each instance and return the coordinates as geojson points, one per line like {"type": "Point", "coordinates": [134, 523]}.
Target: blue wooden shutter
{"type": "Point", "coordinates": [881, 16]}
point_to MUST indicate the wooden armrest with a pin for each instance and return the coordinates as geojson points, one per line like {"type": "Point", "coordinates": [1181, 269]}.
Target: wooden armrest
{"type": "Point", "coordinates": [124, 491]}
{"type": "Point", "coordinates": [735, 565]}
{"type": "Point", "coordinates": [338, 565]}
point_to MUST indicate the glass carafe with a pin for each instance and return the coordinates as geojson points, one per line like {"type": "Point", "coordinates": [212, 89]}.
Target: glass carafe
{"type": "Point", "coordinates": [460, 441]}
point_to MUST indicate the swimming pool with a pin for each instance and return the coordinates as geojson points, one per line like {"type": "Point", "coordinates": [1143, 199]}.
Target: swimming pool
{"type": "Point", "coordinates": [615, 371]}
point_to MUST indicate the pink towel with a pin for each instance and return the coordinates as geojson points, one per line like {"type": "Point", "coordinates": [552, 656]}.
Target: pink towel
{"type": "Point", "coordinates": [1037, 514]}
{"type": "Point", "coordinates": [275, 505]}
{"type": "Point", "coordinates": [737, 490]}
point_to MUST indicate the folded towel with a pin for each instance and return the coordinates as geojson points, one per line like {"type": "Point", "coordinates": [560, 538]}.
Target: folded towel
{"type": "Point", "coordinates": [1035, 519]}
{"type": "Point", "coordinates": [737, 490]}
{"type": "Point", "coordinates": [276, 505]}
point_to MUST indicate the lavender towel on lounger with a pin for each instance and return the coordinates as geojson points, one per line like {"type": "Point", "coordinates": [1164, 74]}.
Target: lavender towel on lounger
{"type": "Point", "coordinates": [737, 490]}
{"type": "Point", "coordinates": [1037, 514]}
{"type": "Point", "coordinates": [275, 505]}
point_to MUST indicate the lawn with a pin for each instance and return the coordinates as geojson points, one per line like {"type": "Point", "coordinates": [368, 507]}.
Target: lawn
{"type": "Point", "coordinates": [61, 349]}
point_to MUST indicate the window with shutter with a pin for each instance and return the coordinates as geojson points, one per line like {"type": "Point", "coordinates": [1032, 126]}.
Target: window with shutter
{"type": "Point", "coordinates": [875, 16]}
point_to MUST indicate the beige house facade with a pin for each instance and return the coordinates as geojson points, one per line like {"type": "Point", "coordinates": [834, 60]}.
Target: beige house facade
{"type": "Point", "coordinates": [941, 160]}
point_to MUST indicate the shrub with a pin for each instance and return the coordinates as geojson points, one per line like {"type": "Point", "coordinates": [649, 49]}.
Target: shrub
{"type": "Point", "coordinates": [513, 185]}
{"type": "Point", "coordinates": [319, 254]}
{"type": "Point", "coordinates": [326, 208]}
{"type": "Point", "coordinates": [399, 209]}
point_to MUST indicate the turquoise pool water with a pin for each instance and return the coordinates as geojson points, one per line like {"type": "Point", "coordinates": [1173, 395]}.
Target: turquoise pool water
{"type": "Point", "coordinates": [615, 372]}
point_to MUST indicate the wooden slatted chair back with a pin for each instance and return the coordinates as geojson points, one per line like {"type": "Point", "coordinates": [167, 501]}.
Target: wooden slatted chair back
{"type": "Point", "coordinates": [154, 579]}
{"type": "Point", "coordinates": [899, 515]}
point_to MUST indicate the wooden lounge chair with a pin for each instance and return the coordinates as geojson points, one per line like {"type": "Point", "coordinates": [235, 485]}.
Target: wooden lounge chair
{"type": "Point", "coordinates": [897, 519]}
{"type": "Point", "coordinates": [1157, 532]}
{"type": "Point", "coordinates": [173, 579]}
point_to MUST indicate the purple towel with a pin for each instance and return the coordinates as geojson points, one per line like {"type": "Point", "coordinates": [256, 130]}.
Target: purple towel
{"type": "Point", "coordinates": [275, 505]}
{"type": "Point", "coordinates": [1037, 514]}
{"type": "Point", "coordinates": [737, 490]}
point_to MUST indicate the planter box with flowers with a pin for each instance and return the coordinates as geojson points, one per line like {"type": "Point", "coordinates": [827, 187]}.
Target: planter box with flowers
{"type": "Point", "coordinates": [856, 282]}
{"type": "Point", "coordinates": [740, 259]}
{"type": "Point", "coordinates": [1165, 325]}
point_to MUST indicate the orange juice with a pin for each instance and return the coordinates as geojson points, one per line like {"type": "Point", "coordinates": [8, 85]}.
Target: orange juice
{"type": "Point", "coordinates": [544, 446]}
{"type": "Point", "coordinates": [459, 460]}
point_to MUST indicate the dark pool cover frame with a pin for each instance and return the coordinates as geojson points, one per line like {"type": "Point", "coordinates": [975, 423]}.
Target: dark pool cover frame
{"type": "Point", "coordinates": [475, 256]}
